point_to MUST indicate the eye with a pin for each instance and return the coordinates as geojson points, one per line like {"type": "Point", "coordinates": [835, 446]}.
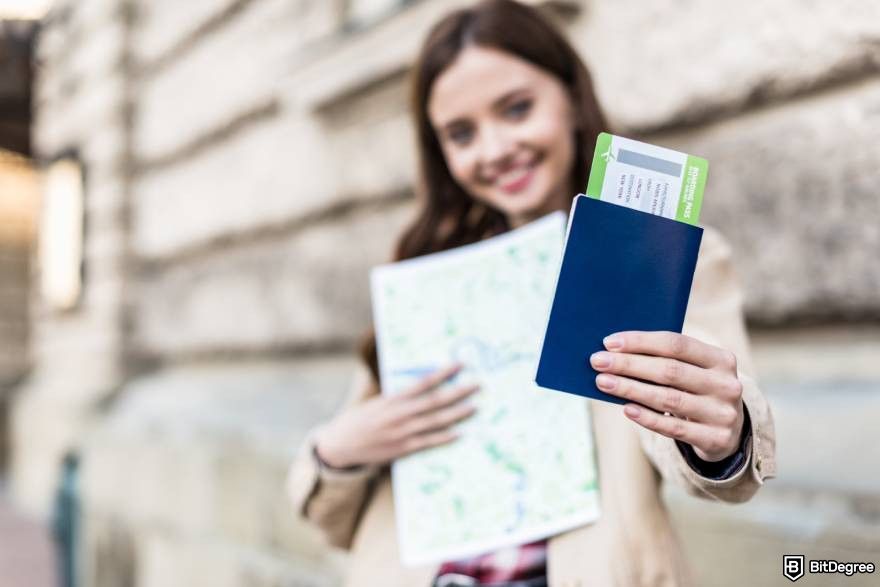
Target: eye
{"type": "Point", "coordinates": [460, 135]}
{"type": "Point", "coordinates": [518, 110]}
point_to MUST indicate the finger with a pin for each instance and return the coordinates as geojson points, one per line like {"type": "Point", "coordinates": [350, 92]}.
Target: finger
{"type": "Point", "coordinates": [693, 433]}
{"type": "Point", "coordinates": [672, 345]}
{"type": "Point", "coordinates": [435, 400]}
{"type": "Point", "coordinates": [431, 381]}
{"type": "Point", "coordinates": [660, 370]}
{"type": "Point", "coordinates": [425, 441]}
{"type": "Point", "coordinates": [661, 398]}
{"type": "Point", "coordinates": [438, 419]}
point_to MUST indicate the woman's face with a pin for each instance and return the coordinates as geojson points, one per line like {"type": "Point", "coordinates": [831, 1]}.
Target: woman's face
{"type": "Point", "coordinates": [507, 132]}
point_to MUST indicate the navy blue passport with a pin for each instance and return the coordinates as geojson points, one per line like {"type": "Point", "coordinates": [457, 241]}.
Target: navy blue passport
{"type": "Point", "coordinates": [622, 269]}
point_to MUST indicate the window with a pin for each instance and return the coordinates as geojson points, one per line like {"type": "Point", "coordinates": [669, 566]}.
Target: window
{"type": "Point", "coordinates": [62, 234]}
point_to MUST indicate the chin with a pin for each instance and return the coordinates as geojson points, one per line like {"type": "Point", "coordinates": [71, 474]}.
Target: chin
{"type": "Point", "coordinates": [533, 204]}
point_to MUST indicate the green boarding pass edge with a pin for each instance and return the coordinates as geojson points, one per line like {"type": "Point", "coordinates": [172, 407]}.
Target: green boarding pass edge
{"type": "Point", "coordinates": [690, 200]}
{"type": "Point", "coordinates": [600, 162]}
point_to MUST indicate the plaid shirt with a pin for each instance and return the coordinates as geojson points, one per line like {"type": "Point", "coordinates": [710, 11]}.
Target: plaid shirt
{"type": "Point", "coordinates": [509, 564]}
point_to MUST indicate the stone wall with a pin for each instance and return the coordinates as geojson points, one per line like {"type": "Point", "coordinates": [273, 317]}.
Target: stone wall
{"type": "Point", "coordinates": [18, 210]}
{"type": "Point", "coordinates": [248, 161]}
{"type": "Point", "coordinates": [79, 103]}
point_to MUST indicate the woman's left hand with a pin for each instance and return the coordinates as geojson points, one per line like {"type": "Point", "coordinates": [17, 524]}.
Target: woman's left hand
{"type": "Point", "coordinates": [691, 388]}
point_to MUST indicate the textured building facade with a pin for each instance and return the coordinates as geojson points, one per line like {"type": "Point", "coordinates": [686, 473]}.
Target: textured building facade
{"type": "Point", "coordinates": [246, 161]}
{"type": "Point", "coordinates": [18, 210]}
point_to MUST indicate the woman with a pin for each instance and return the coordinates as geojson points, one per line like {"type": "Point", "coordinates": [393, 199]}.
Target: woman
{"type": "Point", "coordinates": [506, 121]}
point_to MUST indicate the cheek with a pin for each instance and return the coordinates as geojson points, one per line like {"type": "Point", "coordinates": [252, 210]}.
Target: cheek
{"type": "Point", "coordinates": [461, 165]}
{"type": "Point", "coordinates": [555, 138]}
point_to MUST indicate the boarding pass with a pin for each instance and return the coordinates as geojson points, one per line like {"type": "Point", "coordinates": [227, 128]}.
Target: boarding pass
{"type": "Point", "coordinates": [648, 178]}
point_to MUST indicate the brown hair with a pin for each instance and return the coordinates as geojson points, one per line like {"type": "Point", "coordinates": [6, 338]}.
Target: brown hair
{"type": "Point", "coordinates": [448, 216]}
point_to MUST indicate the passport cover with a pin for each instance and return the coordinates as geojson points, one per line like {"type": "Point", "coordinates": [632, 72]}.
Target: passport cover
{"type": "Point", "coordinates": [622, 269]}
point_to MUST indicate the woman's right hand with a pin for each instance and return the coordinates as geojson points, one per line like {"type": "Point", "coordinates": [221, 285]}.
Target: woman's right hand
{"type": "Point", "coordinates": [384, 428]}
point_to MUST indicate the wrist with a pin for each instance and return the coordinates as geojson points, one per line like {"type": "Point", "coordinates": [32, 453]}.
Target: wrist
{"type": "Point", "coordinates": [730, 451]}
{"type": "Point", "coordinates": [727, 466]}
{"type": "Point", "coordinates": [329, 458]}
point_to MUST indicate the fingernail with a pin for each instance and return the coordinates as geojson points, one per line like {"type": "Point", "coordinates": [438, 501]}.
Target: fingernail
{"type": "Point", "coordinates": [600, 360]}
{"type": "Point", "coordinates": [606, 382]}
{"type": "Point", "coordinates": [631, 411]}
{"type": "Point", "coordinates": [613, 343]}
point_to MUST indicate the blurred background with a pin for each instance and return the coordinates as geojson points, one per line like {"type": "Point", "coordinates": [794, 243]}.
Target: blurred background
{"type": "Point", "coordinates": [191, 194]}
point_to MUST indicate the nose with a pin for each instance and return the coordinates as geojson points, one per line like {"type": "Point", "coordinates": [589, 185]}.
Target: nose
{"type": "Point", "coordinates": [495, 145]}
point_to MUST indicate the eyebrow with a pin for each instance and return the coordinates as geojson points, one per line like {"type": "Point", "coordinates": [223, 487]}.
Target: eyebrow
{"type": "Point", "coordinates": [506, 97]}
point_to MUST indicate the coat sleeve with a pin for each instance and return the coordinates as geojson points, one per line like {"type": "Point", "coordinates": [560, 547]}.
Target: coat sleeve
{"type": "Point", "coordinates": [332, 499]}
{"type": "Point", "coordinates": [715, 316]}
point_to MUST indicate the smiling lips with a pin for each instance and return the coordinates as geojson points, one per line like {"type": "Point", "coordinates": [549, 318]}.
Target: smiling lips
{"type": "Point", "coordinates": [517, 179]}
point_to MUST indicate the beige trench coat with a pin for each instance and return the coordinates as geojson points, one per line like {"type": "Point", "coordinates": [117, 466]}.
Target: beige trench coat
{"type": "Point", "coordinates": [632, 543]}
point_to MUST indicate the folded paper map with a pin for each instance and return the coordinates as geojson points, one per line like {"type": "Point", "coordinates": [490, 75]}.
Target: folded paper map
{"type": "Point", "coordinates": [524, 467]}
